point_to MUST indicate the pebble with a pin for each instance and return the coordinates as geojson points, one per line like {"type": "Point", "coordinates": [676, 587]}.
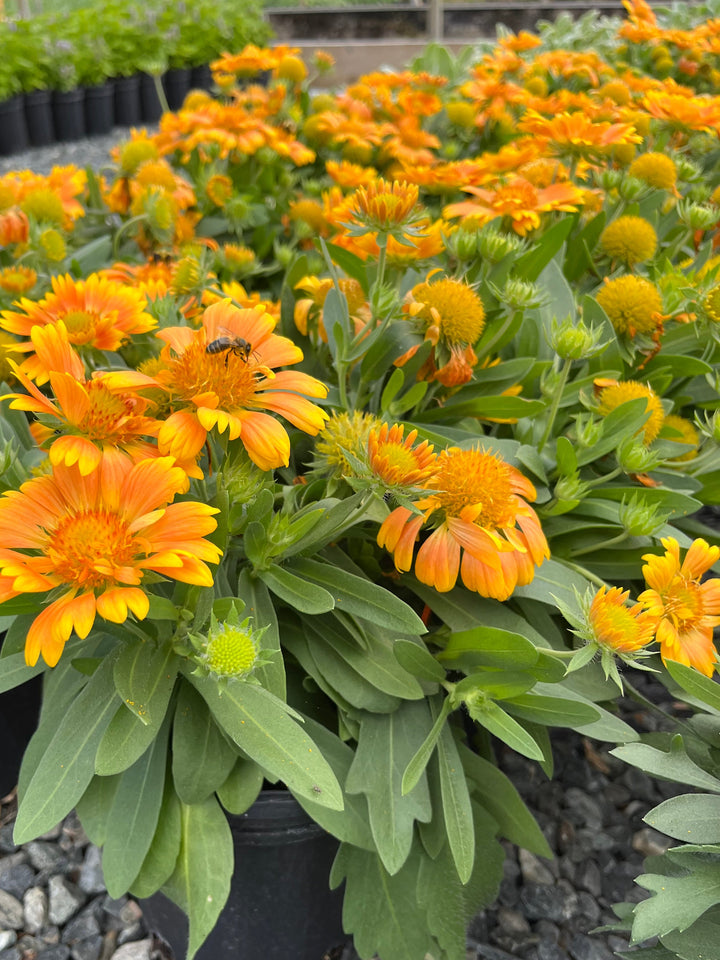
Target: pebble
{"type": "Point", "coordinates": [35, 909]}
{"type": "Point", "coordinates": [139, 950]}
{"type": "Point", "coordinates": [11, 911]}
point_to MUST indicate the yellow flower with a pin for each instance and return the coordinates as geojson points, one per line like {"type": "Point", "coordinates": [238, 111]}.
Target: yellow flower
{"type": "Point", "coordinates": [343, 433]}
{"type": "Point", "coordinates": [461, 113]}
{"type": "Point", "coordinates": [618, 627]}
{"type": "Point", "coordinates": [655, 169]}
{"type": "Point", "coordinates": [134, 153]}
{"type": "Point", "coordinates": [44, 205]}
{"type": "Point", "coordinates": [711, 304]}
{"type": "Point", "coordinates": [686, 607]}
{"type": "Point", "coordinates": [292, 68]}
{"type": "Point", "coordinates": [384, 206]}
{"type": "Point", "coordinates": [629, 239]}
{"type": "Point", "coordinates": [632, 304]}
{"type": "Point", "coordinates": [17, 279]}
{"type": "Point", "coordinates": [615, 394]}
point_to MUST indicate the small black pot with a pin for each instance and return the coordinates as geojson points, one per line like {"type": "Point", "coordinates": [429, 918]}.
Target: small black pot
{"type": "Point", "coordinates": [127, 100]}
{"type": "Point", "coordinates": [13, 131]}
{"type": "Point", "coordinates": [149, 99]}
{"type": "Point", "coordinates": [19, 712]}
{"type": "Point", "coordinates": [176, 84]}
{"type": "Point", "coordinates": [39, 118]}
{"type": "Point", "coordinates": [99, 109]}
{"type": "Point", "coordinates": [280, 903]}
{"type": "Point", "coordinates": [201, 77]}
{"type": "Point", "coordinates": [69, 114]}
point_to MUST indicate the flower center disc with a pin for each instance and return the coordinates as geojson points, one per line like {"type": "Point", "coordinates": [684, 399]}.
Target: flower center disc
{"type": "Point", "coordinates": [86, 548]}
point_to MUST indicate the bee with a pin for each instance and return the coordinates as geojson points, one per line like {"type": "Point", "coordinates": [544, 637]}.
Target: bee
{"type": "Point", "coordinates": [230, 345]}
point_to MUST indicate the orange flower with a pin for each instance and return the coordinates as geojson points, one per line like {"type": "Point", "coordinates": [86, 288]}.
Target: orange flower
{"type": "Point", "coordinates": [223, 376]}
{"type": "Point", "coordinates": [92, 539]}
{"type": "Point", "coordinates": [618, 627]}
{"type": "Point", "coordinates": [17, 279]}
{"type": "Point", "coordinates": [14, 227]}
{"type": "Point", "coordinates": [100, 420]}
{"type": "Point", "coordinates": [577, 134]}
{"type": "Point", "coordinates": [396, 461]}
{"type": "Point", "coordinates": [153, 278]}
{"type": "Point", "coordinates": [686, 608]}
{"type": "Point", "coordinates": [478, 507]}
{"type": "Point", "coordinates": [98, 313]}
{"type": "Point", "coordinates": [520, 202]}
{"type": "Point", "coordinates": [384, 206]}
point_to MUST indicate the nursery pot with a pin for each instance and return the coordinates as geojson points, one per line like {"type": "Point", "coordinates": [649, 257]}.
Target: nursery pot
{"type": "Point", "coordinates": [149, 100]}
{"type": "Point", "coordinates": [13, 132]}
{"type": "Point", "coordinates": [99, 109]}
{"type": "Point", "coordinates": [68, 114]}
{"type": "Point", "coordinates": [39, 118]}
{"type": "Point", "coordinates": [201, 77]}
{"type": "Point", "coordinates": [176, 84]}
{"type": "Point", "coordinates": [19, 711]}
{"type": "Point", "coordinates": [127, 100]}
{"type": "Point", "coordinates": [280, 904]}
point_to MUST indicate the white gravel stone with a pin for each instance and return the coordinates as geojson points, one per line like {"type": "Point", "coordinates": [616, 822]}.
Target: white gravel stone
{"type": "Point", "coordinates": [11, 911]}
{"type": "Point", "coordinates": [137, 950]}
{"type": "Point", "coordinates": [35, 905]}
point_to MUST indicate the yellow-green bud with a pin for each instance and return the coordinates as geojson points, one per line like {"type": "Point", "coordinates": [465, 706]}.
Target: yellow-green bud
{"type": "Point", "coordinates": [494, 246]}
{"type": "Point", "coordinates": [588, 430]}
{"type": "Point", "coordinates": [463, 244]}
{"type": "Point", "coordinates": [687, 169]}
{"type": "Point", "coordinates": [570, 488]}
{"type": "Point", "coordinates": [230, 650]}
{"type": "Point", "coordinates": [697, 216]}
{"type": "Point", "coordinates": [641, 519]}
{"type": "Point", "coordinates": [521, 294]}
{"type": "Point", "coordinates": [631, 188]}
{"type": "Point", "coordinates": [575, 340]}
{"type": "Point", "coordinates": [635, 457]}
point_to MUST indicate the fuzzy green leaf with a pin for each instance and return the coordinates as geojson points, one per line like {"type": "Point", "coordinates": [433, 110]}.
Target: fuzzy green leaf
{"type": "Point", "coordinates": [692, 817]}
{"type": "Point", "coordinates": [501, 725]}
{"type": "Point", "coordinates": [457, 809]}
{"type": "Point", "coordinates": [241, 788]}
{"type": "Point", "coordinates": [675, 765]}
{"type": "Point", "coordinates": [678, 901]}
{"type": "Point", "coordinates": [201, 756]}
{"type": "Point", "coordinates": [162, 856]}
{"type": "Point", "coordinates": [296, 592]}
{"type": "Point", "coordinates": [144, 679]}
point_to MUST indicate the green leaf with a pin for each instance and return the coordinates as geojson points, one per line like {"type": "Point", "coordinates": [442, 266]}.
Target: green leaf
{"type": "Point", "coordinates": [692, 817]}
{"type": "Point", "coordinates": [420, 759]}
{"type": "Point", "coordinates": [68, 765]}
{"type": "Point", "coordinates": [126, 738]}
{"type": "Point", "coordinates": [351, 824]}
{"type": "Point", "coordinates": [201, 756]}
{"type": "Point", "coordinates": [698, 942]}
{"type": "Point", "coordinates": [242, 787]}
{"type": "Point", "coordinates": [488, 408]}
{"type": "Point", "coordinates": [703, 688]}
{"type": "Point", "coordinates": [360, 597]}
{"type": "Point", "coordinates": [678, 901]}
{"type": "Point", "coordinates": [260, 725]}
{"type": "Point", "coordinates": [14, 671]}
{"type": "Point", "coordinates": [381, 910]}
{"type": "Point", "coordinates": [94, 807]}
{"type": "Point", "coordinates": [552, 711]}
{"type": "Point", "coordinates": [675, 765]}
{"type": "Point", "coordinates": [531, 264]}
{"type": "Point", "coordinates": [565, 456]}
{"type": "Point", "coordinates": [417, 660]}
{"type": "Point", "coordinates": [162, 856]}
{"type": "Point", "coordinates": [296, 592]}
{"type": "Point", "coordinates": [259, 606]}
{"type": "Point", "coordinates": [200, 882]}
{"type": "Point", "coordinates": [499, 723]}
{"type": "Point", "coordinates": [386, 744]}
{"type": "Point", "coordinates": [457, 809]}
{"type": "Point", "coordinates": [491, 647]}
{"type": "Point", "coordinates": [503, 802]}
{"type": "Point", "coordinates": [608, 727]}
{"type": "Point", "coordinates": [496, 684]}
{"type": "Point", "coordinates": [134, 816]}
{"type": "Point", "coordinates": [553, 579]}
{"type": "Point", "coordinates": [144, 678]}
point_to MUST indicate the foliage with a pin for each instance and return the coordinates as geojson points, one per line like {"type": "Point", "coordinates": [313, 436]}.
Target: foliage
{"type": "Point", "coordinates": [346, 448]}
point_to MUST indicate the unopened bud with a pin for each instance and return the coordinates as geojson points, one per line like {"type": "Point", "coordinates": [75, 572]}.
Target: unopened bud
{"type": "Point", "coordinates": [574, 340]}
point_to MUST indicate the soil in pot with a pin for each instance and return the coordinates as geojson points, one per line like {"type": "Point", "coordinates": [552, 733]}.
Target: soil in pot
{"type": "Point", "coordinates": [99, 109]}
{"type": "Point", "coordinates": [68, 114]}
{"type": "Point", "coordinates": [176, 84]}
{"type": "Point", "coordinates": [127, 100]}
{"type": "Point", "coordinates": [149, 99]}
{"type": "Point", "coordinates": [280, 903]}
{"type": "Point", "coordinates": [39, 118]}
{"type": "Point", "coordinates": [13, 131]}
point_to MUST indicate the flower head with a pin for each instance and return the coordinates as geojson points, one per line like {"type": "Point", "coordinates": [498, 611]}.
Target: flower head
{"type": "Point", "coordinates": [477, 505]}
{"type": "Point", "coordinates": [629, 239]}
{"type": "Point", "coordinates": [383, 205]}
{"type": "Point", "coordinates": [17, 279]}
{"type": "Point", "coordinates": [93, 538]}
{"type": "Point", "coordinates": [655, 169]}
{"type": "Point", "coordinates": [686, 606]}
{"type": "Point", "coordinates": [343, 434]}
{"type": "Point", "coordinates": [633, 305]}
{"type": "Point", "coordinates": [618, 627]}
{"type": "Point", "coordinates": [223, 375]}
{"type": "Point", "coordinates": [396, 461]}
{"type": "Point", "coordinates": [614, 393]}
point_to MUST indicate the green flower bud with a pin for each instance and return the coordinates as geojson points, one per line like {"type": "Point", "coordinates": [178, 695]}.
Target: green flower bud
{"type": "Point", "coordinates": [574, 340]}
{"type": "Point", "coordinates": [588, 430]}
{"type": "Point", "coordinates": [570, 488]}
{"type": "Point", "coordinates": [687, 169]}
{"type": "Point", "coordinates": [521, 294]}
{"type": "Point", "coordinates": [635, 457]}
{"type": "Point", "coordinates": [463, 244]}
{"type": "Point", "coordinates": [641, 519]}
{"type": "Point", "coordinates": [631, 188]}
{"type": "Point", "coordinates": [494, 246]}
{"type": "Point", "coordinates": [696, 216]}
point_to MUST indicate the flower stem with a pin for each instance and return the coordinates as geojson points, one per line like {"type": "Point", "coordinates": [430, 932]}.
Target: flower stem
{"type": "Point", "coordinates": [555, 404]}
{"type": "Point", "coordinates": [583, 571]}
{"type": "Point", "coordinates": [623, 535]}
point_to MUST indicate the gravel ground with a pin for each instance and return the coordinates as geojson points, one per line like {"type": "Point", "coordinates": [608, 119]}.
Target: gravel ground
{"type": "Point", "coordinates": [53, 904]}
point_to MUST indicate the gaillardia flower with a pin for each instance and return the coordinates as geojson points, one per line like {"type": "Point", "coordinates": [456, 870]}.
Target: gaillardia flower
{"type": "Point", "coordinates": [629, 239]}
{"type": "Point", "coordinates": [686, 607]}
{"type": "Point", "coordinates": [655, 169]}
{"type": "Point", "coordinates": [618, 627]}
{"type": "Point", "coordinates": [396, 461]}
{"type": "Point", "coordinates": [614, 393]}
{"type": "Point", "coordinates": [477, 506]}
{"type": "Point", "coordinates": [92, 539]}
{"type": "Point", "coordinates": [383, 205]}
{"type": "Point", "coordinates": [98, 313]}
{"type": "Point", "coordinates": [633, 305]}
{"type": "Point", "coordinates": [223, 376]}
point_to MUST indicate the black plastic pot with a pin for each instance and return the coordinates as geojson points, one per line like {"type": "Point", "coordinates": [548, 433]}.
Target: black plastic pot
{"type": "Point", "coordinates": [176, 84]}
{"type": "Point", "coordinates": [68, 114]}
{"type": "Point", "coordinates": [39, 118]}
{"type": "Point", "coordinates": [99, 109]}
{"type": "Point", "coordinates": [127, 100]}
{"type": "Point", "coordinates": [19, 711]}
{"type": "Point", "coordinates": [201, 77]}
{"type": "Point", "coordinates": [280, 903]}
{"type": "Point", "coordinates": [149, 99]}
{"type": "Point", "coordinates": [13, 131]}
